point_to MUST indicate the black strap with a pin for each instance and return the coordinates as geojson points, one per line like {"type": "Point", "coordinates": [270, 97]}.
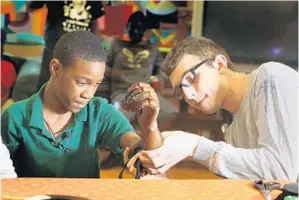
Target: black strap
{"type": "Point", "coordinates": [137, 164]}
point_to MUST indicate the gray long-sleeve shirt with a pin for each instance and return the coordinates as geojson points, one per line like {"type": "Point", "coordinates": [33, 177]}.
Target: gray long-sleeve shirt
{"type": "Point", "coordinates": [262, 141]}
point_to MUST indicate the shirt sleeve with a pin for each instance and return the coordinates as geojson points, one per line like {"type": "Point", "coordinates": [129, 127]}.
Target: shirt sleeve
{"type": "Point", "coordinates": [7, 168]}
{"type": "Point", "coordinates": [275, 157]}
{"type": "Point", "coordinates": [114, 124]}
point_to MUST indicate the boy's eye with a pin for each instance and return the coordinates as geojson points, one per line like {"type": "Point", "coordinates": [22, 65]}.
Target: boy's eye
{"type": "Point", "coordinates": [81, 84]}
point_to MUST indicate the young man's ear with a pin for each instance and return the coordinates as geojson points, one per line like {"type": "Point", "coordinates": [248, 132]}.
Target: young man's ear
{"type": "Point", "coordinates": [220, 62]}
{"type": "Point", "coordinates": [54, 67]}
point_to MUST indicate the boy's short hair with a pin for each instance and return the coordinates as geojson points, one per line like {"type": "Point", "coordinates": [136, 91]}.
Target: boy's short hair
{"type": "Point", "coordinates": [79, 44]}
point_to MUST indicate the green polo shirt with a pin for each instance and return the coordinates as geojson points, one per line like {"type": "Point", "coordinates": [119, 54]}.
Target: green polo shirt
{"type": "Point", "coordinates": [36, 153]}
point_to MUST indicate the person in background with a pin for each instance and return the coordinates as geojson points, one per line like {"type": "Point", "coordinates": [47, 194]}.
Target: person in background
{"type": "Point", "coordinates": [262, 140]}
{"type": "Point", "coordinates": [8, 76]}
{"type": "Point", "coordinates": [57, 131]}
{"type": "Point", "coordinates": [134, 61]}
{"type": "Point", "coordinates": [64, 17]}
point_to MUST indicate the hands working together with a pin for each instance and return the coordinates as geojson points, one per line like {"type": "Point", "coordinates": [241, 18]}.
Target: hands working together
{"type": "Point", "coordinates": [176, 146]}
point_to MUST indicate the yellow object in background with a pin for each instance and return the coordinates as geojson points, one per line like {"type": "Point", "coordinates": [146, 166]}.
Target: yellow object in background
{"type": "Point", "coordinates": [7, 103]}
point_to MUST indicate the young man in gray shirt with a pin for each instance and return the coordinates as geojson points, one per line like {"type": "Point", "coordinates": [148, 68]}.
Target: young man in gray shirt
{"type": "Point", "coordinates": [262, 140]}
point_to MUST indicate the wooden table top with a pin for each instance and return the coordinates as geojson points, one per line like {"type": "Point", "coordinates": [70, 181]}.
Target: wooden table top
{"type": "Point", "coordinates": [17, 189]}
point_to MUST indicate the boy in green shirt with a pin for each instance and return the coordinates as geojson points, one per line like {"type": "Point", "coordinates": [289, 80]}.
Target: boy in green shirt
{"type": "Point", "coordinates": [57, 131]}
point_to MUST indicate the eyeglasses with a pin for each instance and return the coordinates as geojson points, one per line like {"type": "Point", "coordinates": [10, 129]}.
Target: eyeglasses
{"type": "Point", "coordinates": [187, 80]}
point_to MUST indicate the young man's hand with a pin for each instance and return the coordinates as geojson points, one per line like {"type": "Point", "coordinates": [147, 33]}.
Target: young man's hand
{"type": "Point", "coordinates": [142, 98]}
{"type": "Point", "coordinates": [177, 146]}
{"type": "Point", "coordinates": [130, 165]}
{"type": "Point", "coordinates": [147, 175]}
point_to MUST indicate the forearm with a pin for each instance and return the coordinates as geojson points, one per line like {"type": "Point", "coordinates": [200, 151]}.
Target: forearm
{"type": "Point", "coordinates": [152, 138]}
{"type": "Point", "coordinates": [130, 140]}
{"type": "Point", "coordinates": [239, 163]}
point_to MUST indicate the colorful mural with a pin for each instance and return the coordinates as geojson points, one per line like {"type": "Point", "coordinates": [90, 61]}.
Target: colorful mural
{"type": "Point", "coordinates": [20, 24]}
{"type": "Point", "coordinates": [25, 27]}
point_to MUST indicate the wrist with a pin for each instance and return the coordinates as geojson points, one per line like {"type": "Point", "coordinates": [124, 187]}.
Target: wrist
{"type": "Point", "coordinates": [152, 139]}
{"type": "Point", "coordinates": [194, 146]}
{"type": "Point", "coordinates": [148, 129]}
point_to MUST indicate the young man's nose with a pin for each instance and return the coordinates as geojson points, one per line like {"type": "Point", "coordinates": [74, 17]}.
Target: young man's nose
{"type": "Point", "coordinates": [190, 93]}
{"type": "Point", "coordinates": [88, 93]}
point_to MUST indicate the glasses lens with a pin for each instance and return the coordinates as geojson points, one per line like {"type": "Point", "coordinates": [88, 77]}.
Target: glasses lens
{"type": "Point", "coordinates": [188, 79]}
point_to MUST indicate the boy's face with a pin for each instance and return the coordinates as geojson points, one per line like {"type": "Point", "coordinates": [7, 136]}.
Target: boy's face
{"type": "Point", "coordinates": [76, 84]}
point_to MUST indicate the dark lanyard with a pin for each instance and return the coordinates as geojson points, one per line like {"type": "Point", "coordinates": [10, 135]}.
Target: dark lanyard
{"type": "Point", "coordinates": [137, 164]}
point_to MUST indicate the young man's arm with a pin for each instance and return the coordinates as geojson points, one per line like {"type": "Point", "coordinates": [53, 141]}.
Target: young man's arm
{"type": "Point", "coordinates": [275, 116]}
{"type": "Point", "coordinates": [276, 156]}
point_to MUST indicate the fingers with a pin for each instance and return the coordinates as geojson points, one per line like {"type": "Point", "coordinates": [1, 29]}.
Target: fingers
{"type": "Point", "coordinates": [136, 94]}
{"type": "Point", "coordinates": [138, 88]}
{"type": "Point", "coordinates": [140, 95]}
{"type": "Point", "coordinates": [151, 159]}
{"type": "Point", "coordinates": [132, 170]}
{"type": "Point", "coordinates": [132, 160]}
{"type": "Point", "coordinates": [146, 162]}
{"type": "Point", "coordinates": [140, 84]}
{"type": "Point", "coordinates": [130, 164]}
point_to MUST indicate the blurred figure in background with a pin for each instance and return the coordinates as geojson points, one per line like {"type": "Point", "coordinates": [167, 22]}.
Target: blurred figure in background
{"type": "Point", "coordinates": [134, 61]}
{"type": "Point", "coordinates": [8, 77]}
{"type": "Point", "coordinates": [63, 17]}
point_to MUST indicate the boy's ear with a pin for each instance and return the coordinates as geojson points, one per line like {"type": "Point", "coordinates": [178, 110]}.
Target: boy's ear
{"type": "Point", "coordinates": [55, 67]}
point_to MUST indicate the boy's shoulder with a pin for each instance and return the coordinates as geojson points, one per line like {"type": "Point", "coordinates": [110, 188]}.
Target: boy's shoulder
{"type": "Point", "coordinates": [20, 107]}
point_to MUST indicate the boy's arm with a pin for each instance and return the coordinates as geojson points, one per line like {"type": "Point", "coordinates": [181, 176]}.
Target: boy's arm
{"type": "Point", "coordinates": [142, 99]}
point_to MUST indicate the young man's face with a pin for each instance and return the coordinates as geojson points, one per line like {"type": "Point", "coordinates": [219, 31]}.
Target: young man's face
{"type": "Point", "coordinates": [76, 85]}
{"type": "Point", "coordinates": [205, 89]}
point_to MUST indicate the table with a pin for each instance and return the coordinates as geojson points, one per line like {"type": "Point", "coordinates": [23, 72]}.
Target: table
{"type": "Point", "coordinates": [102, 189]}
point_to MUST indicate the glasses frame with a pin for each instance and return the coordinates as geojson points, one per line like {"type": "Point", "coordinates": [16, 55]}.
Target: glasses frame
{"type": "Point", "coordinates": [179, 88]}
